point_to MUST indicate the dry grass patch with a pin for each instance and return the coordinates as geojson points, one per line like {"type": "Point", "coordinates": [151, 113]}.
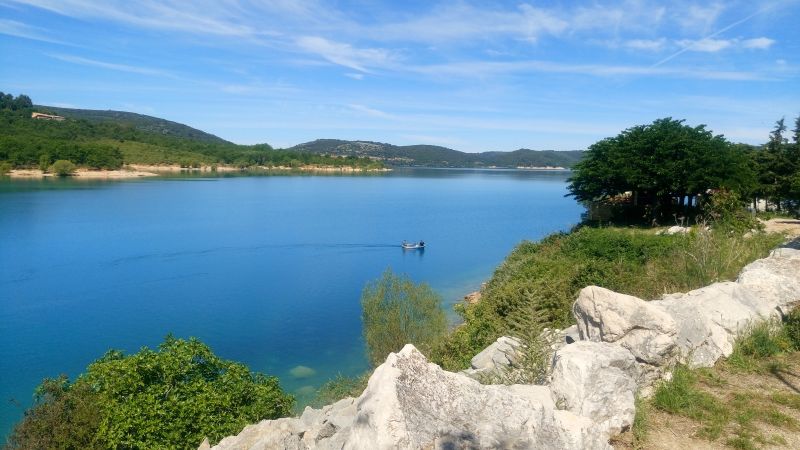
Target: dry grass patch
{"type": "Point", "coordinates": [725, 407]}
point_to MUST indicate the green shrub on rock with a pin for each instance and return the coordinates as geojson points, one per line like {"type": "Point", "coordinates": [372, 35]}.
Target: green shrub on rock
{"type": "Point", "coordinates": [395, 312]}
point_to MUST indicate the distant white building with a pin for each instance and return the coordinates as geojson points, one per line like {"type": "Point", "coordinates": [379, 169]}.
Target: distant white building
{"type": "Point", "coordinates": [44, 116]}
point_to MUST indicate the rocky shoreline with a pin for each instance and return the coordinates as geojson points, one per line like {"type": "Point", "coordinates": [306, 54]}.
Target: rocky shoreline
{"type": "Point", "coordinates": [619, 348]}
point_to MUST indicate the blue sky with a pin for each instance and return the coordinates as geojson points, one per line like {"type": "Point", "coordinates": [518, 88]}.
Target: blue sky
{"type": "Point", "coordinates": [474, 76]}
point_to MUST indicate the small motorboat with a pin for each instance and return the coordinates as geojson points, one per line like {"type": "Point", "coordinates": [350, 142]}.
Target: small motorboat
{"type": "Point", "coordinates": [413, 245]}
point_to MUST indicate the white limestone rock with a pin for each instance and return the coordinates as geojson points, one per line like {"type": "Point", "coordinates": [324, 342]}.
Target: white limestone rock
{"type": "Point", "coordinates": [675, 229]}
{"type": "Point", "coordinates": [597, 380]}
{"type": "Point", "coordinates": [775, 279]}
{"type": "Point", "coordinates": [646, 330]}
{"type": "Point", "coordinates": [711, 318]}
{"type": "Point", "coordinates": [410, 403]}
{"type": "Point", "coordinates": [500, 354]}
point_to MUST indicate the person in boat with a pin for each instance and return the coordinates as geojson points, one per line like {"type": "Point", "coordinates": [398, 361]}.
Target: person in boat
{"type": "Point", "coordinates": [422, 243]}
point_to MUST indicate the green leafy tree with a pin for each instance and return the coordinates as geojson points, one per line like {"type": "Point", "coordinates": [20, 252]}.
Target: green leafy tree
{"type": "Point", "coordinates": [44, 162]}
{"type": "Point", "coordinates": [64, 416]}
{"type": "Point", "coordinates": [172, 397]}
{"type": "Point", "coordinates": [395, 312]}
{"type": "Point", "coordinates": [662, 165]}
{"type": "Point", "coordinates": [5, 167]}
{"type": "Point", "coordinates": [63, 168]}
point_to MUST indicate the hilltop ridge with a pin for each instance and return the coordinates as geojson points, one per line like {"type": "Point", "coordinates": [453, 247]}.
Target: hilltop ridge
{"type": "Point", "coordinates": [438, 156]}
{"type": "Point", "coordinates": [138, 121]}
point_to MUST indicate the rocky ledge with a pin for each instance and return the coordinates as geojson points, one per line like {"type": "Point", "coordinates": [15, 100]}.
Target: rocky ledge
{"type": "Point", "coordinates": [621, 346]}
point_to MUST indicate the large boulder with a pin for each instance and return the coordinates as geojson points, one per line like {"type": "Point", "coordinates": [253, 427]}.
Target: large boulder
{"type": "Point", "coordinates": [646, 330]}
{"type": "Point", "coordinates": [597, 380]}
{"type": "Point", "coordinates": [410, 403]}
{"type": "Point", "coordinates": [501, 354]}
{"type": "Point", "coordinates": [775, 279]}
{"type": "Point", "coordinates": [711, 318]}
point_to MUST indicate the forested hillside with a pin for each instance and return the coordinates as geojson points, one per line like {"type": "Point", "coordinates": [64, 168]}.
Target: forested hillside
{"type": "Point", "coordinates": [100, 141]}
{"type": "Point", "coordinates": [436, 156]}
{"type": "Point", "coordinates": [140, 122]}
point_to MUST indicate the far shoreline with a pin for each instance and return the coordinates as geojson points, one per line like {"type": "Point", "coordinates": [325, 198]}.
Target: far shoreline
{"type": "Point", "coordinates": [130, 171]}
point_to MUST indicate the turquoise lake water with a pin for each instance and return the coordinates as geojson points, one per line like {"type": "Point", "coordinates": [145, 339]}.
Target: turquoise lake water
{"type": "Point", "coordinates": [267, 270]}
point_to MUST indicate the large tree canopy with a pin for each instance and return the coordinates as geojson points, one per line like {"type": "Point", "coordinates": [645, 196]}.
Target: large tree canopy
{"type": "Point", "coordinates": [659, 162]}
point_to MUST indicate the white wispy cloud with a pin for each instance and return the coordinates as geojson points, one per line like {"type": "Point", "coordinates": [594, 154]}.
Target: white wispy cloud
{"type": "Point", "coordinates": [705, 45]}
{"type": "Point", "coordinates": [23, 30]}
{"type": "Point", "coordinates": [652, 45]}
{"type": "Point", "coordinates": [699, 18]}
{"type": "Point", "coordinates": [483, 69]}
{"type": "Point", "coordinates": [355, 75]}
{"type": "Point", "coordinates": [758, 43]}
{"type": "Point", "coordinates": [462, 22]}
{"type": "Point", "coordinates": [111, 66]}
{"type": "Point", "coordinates": [369, 111]}
{"type": "Point", "coordinates": [716, 45]}
{"type": "Point", "coordinates": [345, 54]}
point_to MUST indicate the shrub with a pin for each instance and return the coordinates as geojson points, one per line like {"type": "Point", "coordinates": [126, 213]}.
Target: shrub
{"type": "Point", "coordinates": [5, 167]}
{"type": "Point", "coordinates": [169, 398]}
{"type": "Point", "coordinates": [63, 167]}
{"type": "Point", "coordinates": [725, 210]}
{"type": "Point", "coordinates": [395, 312]}
{"type": "Point", "coordinates": [44, 162]}
{"type": "Point", "coordinates": [339, 388]}
{"type": "Point", "coordinates": [64, 415]}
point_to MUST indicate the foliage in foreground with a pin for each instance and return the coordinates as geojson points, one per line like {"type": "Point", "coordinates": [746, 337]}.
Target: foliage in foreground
{"type": "Point", "coordinates": [395, 312]}
{"type": "Point", "coordinates": [169, 398]}
{"type": "Point", "coordinates": [544, 278]}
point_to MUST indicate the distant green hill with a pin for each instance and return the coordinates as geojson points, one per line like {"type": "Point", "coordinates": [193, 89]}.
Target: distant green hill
{"type": "Point", "coordinates": [110, 139]}
{"type": "Point", "coordinates": [140, 122]}
{"type": "Point", "coordinates": [436, 156]}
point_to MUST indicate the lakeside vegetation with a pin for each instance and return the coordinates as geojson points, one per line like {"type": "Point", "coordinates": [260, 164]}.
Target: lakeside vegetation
{"type": "Point", "coordinates": [109, 144]}
{"type": "Point", "coordinates": [657, 172]}
{"type": "Point", "coordinates": [173, 397]}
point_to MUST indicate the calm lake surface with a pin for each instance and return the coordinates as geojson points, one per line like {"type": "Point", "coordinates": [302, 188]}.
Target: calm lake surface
{"type": "Point", "coordinates": [267, 270]}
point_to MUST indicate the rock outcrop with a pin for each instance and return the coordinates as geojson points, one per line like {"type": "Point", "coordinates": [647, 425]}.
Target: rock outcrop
{"type": "Point", "coordinates": [621, 345]}
{"type": "Point", "coordinates": [410, 403]}
{"type": "Point", "coordinates": [696, 328]}
{"type": "Point", "coordinates": [597, 380]}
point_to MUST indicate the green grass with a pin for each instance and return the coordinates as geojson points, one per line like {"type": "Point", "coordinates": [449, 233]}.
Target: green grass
{"type": "Point", "coordinates": [544, 278]}
{"type": "Point", "coordinates": [761, 341]}
{"type": "Point", "coordinates": [725, 410]}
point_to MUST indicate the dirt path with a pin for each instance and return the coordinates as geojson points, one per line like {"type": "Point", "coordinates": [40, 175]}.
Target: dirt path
{"type": "Point", "coordinates": [782, 225]}
{"type": "Point", "coordinates": [773, 391]}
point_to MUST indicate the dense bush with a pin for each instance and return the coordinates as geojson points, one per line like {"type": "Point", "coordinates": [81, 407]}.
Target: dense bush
{"type": "Point", "coordinates": [543, 279]}
{"type": "Point", "coordinates": [65, 416]}
{"type": "Point", "coordinates": [169, 398]}
{"type": "Point", "coordinates": [5, 167]}
{"type": "Point", "coordinates": [395, 312]}
{"type": "Point", "coordinates": [725, 209]}
{"type": "Point", "coordinates": [63, 167]}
